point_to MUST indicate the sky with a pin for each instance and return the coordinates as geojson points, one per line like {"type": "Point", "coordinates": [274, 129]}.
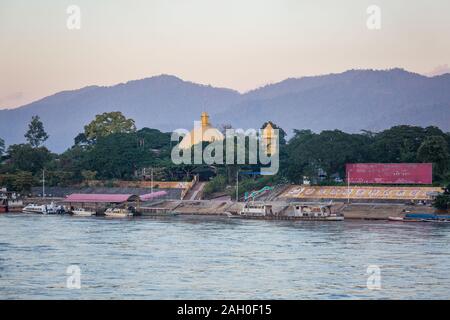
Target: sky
{"type": "Point", "coordinates": [238, 44]}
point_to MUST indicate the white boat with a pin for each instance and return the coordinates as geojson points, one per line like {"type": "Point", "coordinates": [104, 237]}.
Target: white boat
{"type": "Point", "coordinates": [256, 209]}
{"type": "Point", "coordinates": [80, 212]}
{"type": "Point", "coordinates": [43, 209]}
{"type": "Point", "coordinates": [395, 218]}
{"type": "Point", "coordinates": [294, 211]}
{"type": "Point", "coordinates": [314, 212]}
{"type": "Point", "coordinates": [118, 213]}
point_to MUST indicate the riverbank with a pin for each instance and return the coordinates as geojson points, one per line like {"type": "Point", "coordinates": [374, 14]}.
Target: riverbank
{"type": "Point", "coordinates": [365, 211]}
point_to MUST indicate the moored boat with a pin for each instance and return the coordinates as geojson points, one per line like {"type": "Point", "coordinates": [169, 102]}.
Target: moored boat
{"type": "Point", "coordinates": [294, 211]}
{"type": "Point", "coordinates": [81, 212]}
{"type": "Point", "coordinates": [421, 217]}
{"type": "Point", "coordinates": [43, 209]}
{"type": "Point", "coordinates": [314, 212]}
{"type": "Point", "coordinates": [118, 213]}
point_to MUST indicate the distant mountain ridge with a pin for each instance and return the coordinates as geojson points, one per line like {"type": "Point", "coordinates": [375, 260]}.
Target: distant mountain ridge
{"type": "Point", "coordinates": [350, 101]}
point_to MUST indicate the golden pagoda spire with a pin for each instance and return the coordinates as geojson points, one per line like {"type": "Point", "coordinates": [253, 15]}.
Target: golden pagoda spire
{"type": "Point", "coordinates": [205, 119]}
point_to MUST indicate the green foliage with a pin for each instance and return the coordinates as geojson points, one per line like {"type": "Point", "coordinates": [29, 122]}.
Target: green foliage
{"type": "Point", "coordinates": [400, 143]}
{"type": "Point", "coordinates": [57, 177]}
{"type": "Point", "coordinates": [119, 155]}
{"type": "Point", "coordinates": [88, 174]}
{"type": "Point", "coordinates": [442, 201]}
{"type": "Point", "coordinates": [36, 134]}
{"type": "Point", "coordinates": [217, 184]}
{"type": "Point", "coordinates": [106, 124]}
{"type": "Point", "coordinates": [2, 146]}
{"type": "Point", "coordinates": [22, 181]}
{"type": "Point", "coordinates": [329, 151]}
{"type": "Point", "coordinates": [249, 184]}
{"type": "Point", "coordinates": [307, 152]}
{"type": "Point", "coordinates": [23, 157]}
{"type": "Point", "coordinates": [111, 148]}
{"type": "Point", "coordinates": [434, 149]}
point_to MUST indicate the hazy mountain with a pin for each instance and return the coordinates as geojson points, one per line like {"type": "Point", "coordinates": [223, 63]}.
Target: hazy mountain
{"type": "Point", "coordinates": [163, 102]}
{"type": "Point", "coordinates": [351, 101]}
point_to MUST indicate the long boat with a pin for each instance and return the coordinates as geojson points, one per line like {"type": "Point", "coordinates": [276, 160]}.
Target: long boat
{"type": "Point", "coordinates": [295, 211]}
{"type": "Point", "coordinates": [421, 217]}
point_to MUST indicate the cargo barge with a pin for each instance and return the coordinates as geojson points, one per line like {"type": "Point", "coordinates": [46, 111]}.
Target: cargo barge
{"type": "Point", "coordinates": [294, 211]}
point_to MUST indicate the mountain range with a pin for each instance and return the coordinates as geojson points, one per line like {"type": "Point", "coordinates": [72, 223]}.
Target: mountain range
{"type": "Point", "coordinates": [350, 101]}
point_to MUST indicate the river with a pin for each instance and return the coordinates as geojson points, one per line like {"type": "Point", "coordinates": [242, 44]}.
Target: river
{"type": "Point", "coordinates": [192, 258]}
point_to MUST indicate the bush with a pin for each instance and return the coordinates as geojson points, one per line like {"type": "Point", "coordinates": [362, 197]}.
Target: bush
{"type": "Point", "coordinates": [217, 184]}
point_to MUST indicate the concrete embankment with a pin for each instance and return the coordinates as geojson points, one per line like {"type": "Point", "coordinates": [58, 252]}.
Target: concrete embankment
{"type": "Point", "coordinates": [369, 211]}
{"type": "Point", "coordinates": [381, 211]}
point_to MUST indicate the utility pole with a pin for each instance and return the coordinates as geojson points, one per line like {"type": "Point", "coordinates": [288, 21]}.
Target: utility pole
{"type": "Point", "coordinates": [348, 187]}
{"type": "Point", "coordinates": [151, 174]}
{"type": "Point", "coordinates": [43, 183]}
{"type": "Point", "coordinates": [237, 185]}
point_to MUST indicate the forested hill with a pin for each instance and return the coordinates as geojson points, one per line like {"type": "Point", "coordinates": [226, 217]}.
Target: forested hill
{"type": "Point", "coordinates": [350, 101]}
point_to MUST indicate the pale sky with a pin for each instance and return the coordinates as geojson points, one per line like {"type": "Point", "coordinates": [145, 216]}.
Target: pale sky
{"type": "Point", "coordinates": [239, 44]}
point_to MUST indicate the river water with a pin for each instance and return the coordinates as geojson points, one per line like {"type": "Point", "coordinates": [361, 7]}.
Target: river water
{"type": "Point", "coordinates": [190, 258]}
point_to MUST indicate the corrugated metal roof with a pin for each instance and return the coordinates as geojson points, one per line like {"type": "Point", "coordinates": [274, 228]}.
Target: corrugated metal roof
{"type": "Point", "coordinates": [100, 198]}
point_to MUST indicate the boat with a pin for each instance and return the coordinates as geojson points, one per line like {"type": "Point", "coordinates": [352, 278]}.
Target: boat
{"type": "Point", "coordinates": [3, 205]}
{"type": "Point", "coordinates": [118, 213]}
{"type": "Point", "coordinates": [421, 217]}
{"type": "Point", "coordinates": [256, 209]}
{"type": "Point", "coordinates": [80, 212]}
{"type": "Point", "coordinates": [395, 218]}
{"type": "Point", "coordinates": [9, 202]}
{"type": "Point", "coordinates": [314, 212]}
{"type": "Point", "coordinates": [294, 211]}
{"type": "Point", "coordinates": [43, 209]}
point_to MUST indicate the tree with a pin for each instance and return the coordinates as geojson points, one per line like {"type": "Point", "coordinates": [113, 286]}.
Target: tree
{"type": "Point", "coordinates": [88, 175]}
{"type": "Point", "coordinates": [435, 149]}
{"type": "Point", "coordinates": [36, 134]}
{"type": "Point", "coordinates": [22, 181]}
{"type": "Point", "coordinates": [106, 124]}
{"type": "Point", "coordinates": [24, 157]}
{"type": "Point", "coordinates": [442, 201]}
{"type": "Point", "coordinates": [400, 143]}
{"type": "Point", "coordinates": [2, 146]}
{"type": "Point", "coordinates": [308, 153]}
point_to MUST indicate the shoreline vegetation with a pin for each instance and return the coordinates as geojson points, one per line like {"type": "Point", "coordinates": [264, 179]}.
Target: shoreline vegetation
{"type": "Point", "coordinates": [112, 149]}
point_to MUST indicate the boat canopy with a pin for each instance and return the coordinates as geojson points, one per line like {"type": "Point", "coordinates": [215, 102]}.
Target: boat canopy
{"type": "Point", "coordinates": [101, 198]}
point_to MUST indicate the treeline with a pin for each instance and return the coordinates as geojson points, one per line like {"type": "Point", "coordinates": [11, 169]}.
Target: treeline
{"type": "Point", "coordinates": [311, 154]}
{"type": "Point", "coordinates": [110, 147]}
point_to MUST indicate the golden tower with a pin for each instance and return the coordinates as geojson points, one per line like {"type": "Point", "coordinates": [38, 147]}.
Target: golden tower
{"type": "Point", "coordinates": [269, 139]}
{"type": "Point", "coordinates": [205, 119]}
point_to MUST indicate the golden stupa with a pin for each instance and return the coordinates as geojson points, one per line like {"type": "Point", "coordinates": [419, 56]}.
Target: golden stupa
{"type": "Point", "coordinates": [203, 133]}
{"type": "Point", "coordinates": [269, 138]}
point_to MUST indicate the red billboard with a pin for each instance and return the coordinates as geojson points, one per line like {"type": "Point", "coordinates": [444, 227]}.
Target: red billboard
{"type": "Point", "coordinates": [390, 173]}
